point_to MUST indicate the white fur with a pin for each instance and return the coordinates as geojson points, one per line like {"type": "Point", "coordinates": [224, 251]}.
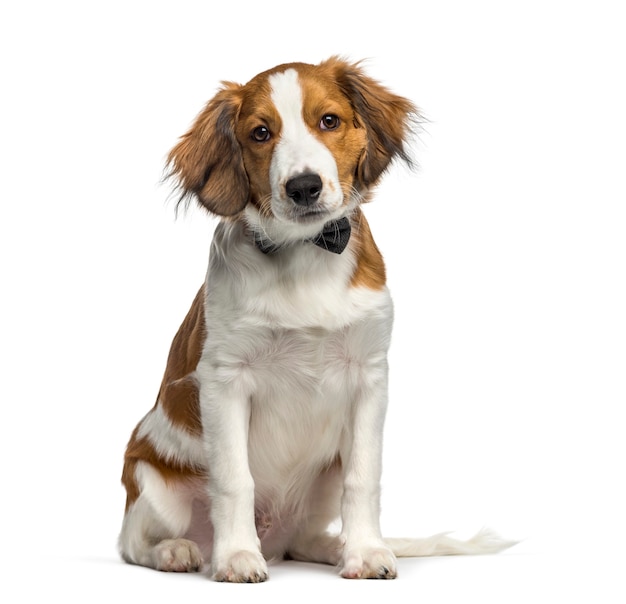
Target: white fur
{"type": "Point", "coordinates": [298, 151]}
{"type": "Point", "coordinates": [291, 371]}
{"type": "Point", "coordinates": [171, 442]}
{"type": "Point", "coordinates": [292, 377]}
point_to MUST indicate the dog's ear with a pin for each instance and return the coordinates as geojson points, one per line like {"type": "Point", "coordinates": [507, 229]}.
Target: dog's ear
{"type": "Point", "coordinates": [389, 119]}
{"type": "Point", "coordinates": [207, 161]}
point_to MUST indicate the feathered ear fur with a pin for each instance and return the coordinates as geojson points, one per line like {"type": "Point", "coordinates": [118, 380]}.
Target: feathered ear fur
{"type": "Point", "coordinates": [388, 118]}
{"type": "Point", "coordinates": [208, 162]}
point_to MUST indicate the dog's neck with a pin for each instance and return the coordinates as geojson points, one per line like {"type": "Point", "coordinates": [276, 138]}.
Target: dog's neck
{"type": "Point", "coordinates": [333, 238]}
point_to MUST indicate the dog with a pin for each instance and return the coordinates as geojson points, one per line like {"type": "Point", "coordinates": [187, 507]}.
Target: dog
{"type": "Point", "coordinates": [268, 425]}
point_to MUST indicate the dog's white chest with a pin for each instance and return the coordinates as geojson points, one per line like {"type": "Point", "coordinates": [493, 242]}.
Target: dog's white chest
{"type": "Point", "coordinates": [302, 344]}
{"type": "Point", "coordinates": [304, 383]}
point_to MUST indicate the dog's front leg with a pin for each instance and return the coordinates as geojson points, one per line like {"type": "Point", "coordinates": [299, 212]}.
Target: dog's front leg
{"type": "Point", "coordinates": [236, 553]}
{"type": "Point", "coordinates": [365, 554]}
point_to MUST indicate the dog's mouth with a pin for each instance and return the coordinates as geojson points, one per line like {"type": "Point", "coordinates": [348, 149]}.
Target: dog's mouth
{"type": "Point", "coordinates": [307, 216]}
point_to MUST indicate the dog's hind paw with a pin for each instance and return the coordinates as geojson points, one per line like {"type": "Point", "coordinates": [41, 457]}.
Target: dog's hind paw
{"type": "Point", "coordinates": [177, 555]}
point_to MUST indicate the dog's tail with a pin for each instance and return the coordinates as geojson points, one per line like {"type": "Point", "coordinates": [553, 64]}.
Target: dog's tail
{"type": "Point", "coordinates": [484, 542]}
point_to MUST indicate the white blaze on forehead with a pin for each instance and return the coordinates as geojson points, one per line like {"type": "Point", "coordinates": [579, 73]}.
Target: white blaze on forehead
{"type": "Point", "coordinates": [298, 150]}
{"type": "Point", "coordinates": [287, 98]}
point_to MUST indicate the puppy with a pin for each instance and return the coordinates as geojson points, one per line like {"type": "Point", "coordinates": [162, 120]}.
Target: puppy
{"type": "Point", "coordinates": [268, 424]}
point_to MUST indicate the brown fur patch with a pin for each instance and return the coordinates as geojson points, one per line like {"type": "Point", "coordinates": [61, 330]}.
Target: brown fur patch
{"type": "Point", "coordinates": [178, 397]}
{"type": "Point", "coordinates": [346, 142]}
{"type": "Point", "coordinates": [387, 118]}
{"type": "Point", "coordinates": [207, 160]}
{"type": "Point", "coordinates": [257, 110]}
{"type": "Point", "coordinates": [141, 449]}
{"type": "Point", "coordinates": [370, 267]}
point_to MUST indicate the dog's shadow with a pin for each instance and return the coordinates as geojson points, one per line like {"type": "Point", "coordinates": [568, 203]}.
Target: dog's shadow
{"type": "Point", "coordinates": [286, 568]}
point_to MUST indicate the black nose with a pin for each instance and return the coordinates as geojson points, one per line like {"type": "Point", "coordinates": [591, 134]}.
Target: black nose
{"type": "Point", "coordinates": [304, 189]}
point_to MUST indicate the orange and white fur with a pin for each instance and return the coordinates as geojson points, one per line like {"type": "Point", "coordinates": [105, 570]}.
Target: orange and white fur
{"type": "Point", "coordinates": [268, 424]}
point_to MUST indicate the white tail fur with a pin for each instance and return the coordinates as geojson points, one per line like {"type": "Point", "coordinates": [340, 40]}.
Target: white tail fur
{"type": "Point", "coordinates": [485, 541]}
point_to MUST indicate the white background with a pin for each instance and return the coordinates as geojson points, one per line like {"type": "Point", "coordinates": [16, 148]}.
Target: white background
{"type": "Point", "coordinates": [506, 254]}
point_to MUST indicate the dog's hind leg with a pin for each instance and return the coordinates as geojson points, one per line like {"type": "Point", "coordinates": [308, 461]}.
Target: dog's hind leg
{"type": "Point", "coordinates": [155, 524]}
{"type": "Point", "coordinates": [313, 541]}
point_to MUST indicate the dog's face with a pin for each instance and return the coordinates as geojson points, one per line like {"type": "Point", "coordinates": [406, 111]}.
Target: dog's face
{"type": "Point", "coordinates": [298, 144]}
{"type": "Point", "coordinates": [301, 143]}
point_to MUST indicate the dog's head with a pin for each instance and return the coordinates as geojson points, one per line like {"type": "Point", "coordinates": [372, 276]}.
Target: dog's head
{"type": "Point", "coordinates": [298, 144]}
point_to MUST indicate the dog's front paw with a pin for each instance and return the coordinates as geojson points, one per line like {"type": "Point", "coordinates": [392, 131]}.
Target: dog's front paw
{"type": "Point", "coordinates": [369, 563]}
{"type": "Point", "coordinates": [241, 567]}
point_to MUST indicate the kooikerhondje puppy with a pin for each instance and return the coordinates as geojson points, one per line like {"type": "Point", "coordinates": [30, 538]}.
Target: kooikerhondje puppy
{"type": "Point", "coordinates": [268, 424]}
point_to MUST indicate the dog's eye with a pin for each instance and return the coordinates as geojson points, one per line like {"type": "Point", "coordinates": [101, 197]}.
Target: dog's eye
{"type": "Point", "coordinates": [260, 134]}
{"type": "Point", "coordinates": [329, 122]}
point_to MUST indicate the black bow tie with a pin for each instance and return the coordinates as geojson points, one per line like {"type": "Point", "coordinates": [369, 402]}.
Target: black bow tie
{"type": "Point", "coordinates": [334, 238]}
